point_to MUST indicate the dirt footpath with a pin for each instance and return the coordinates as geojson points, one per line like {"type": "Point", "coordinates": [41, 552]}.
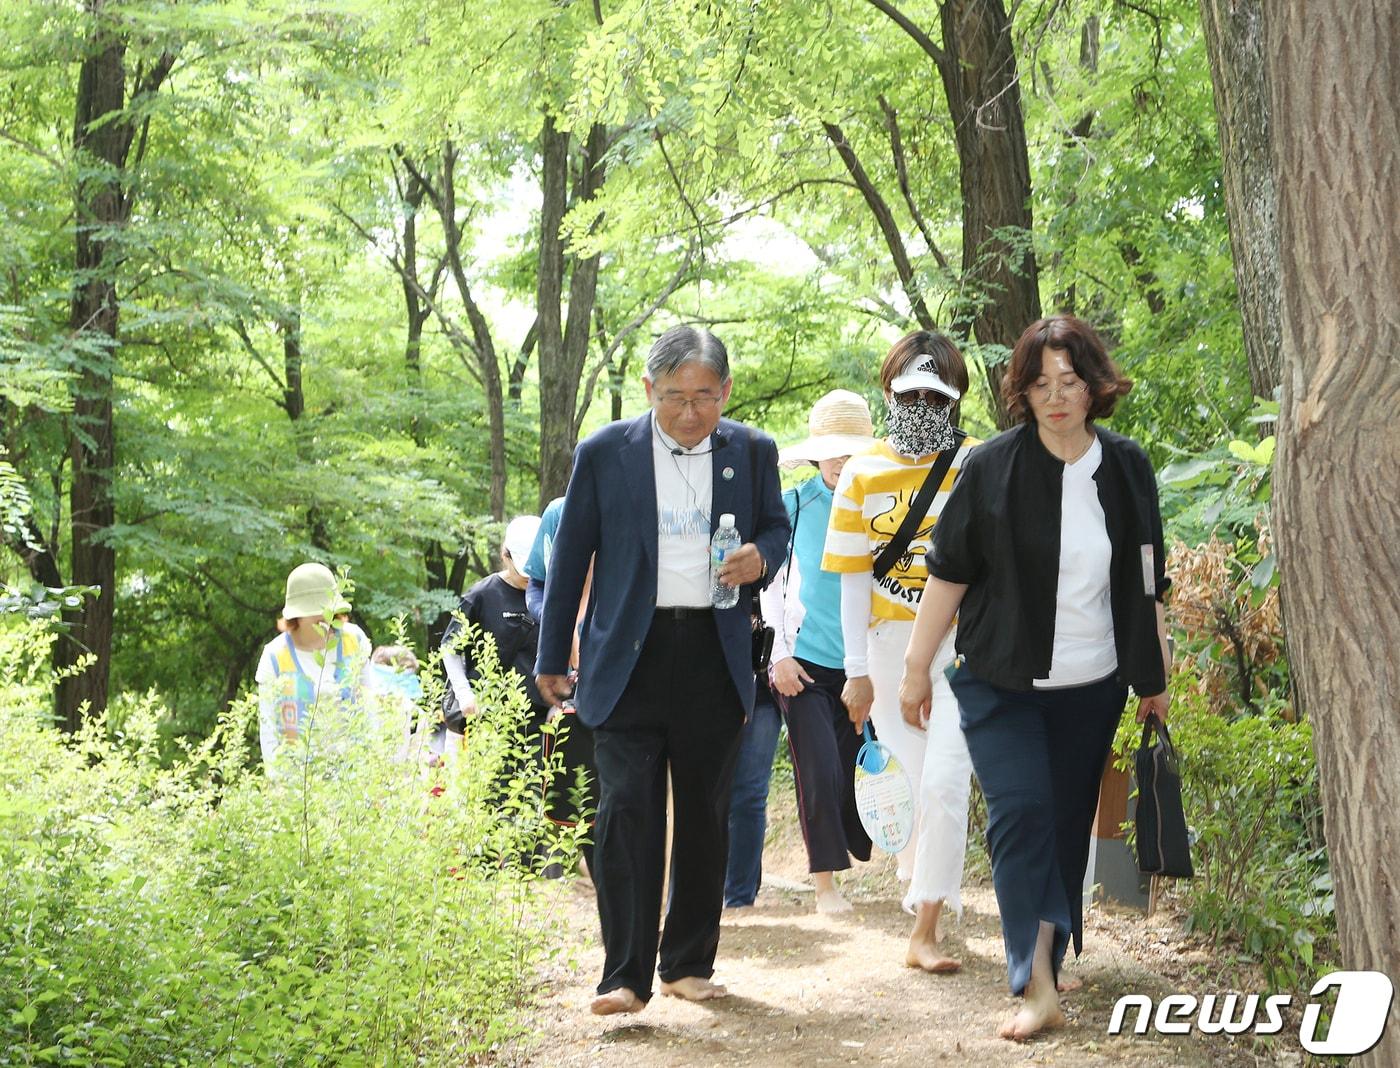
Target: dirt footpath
{"type": "Point", "coordinates": [809, 990]}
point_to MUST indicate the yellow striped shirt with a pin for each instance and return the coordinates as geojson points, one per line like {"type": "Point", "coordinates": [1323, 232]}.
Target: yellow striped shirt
{"type": "Point", "coordinates": [871, 500]}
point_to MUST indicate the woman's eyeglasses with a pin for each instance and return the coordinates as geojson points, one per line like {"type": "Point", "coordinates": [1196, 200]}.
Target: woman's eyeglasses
{"type": "Point", "coordinates": [1067, 390]}
{"type": "Point", "coordinates": [930, 397]}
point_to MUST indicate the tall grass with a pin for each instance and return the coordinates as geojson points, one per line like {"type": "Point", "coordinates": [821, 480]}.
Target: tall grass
{"type": "Point", "coordinates": [204, 913]}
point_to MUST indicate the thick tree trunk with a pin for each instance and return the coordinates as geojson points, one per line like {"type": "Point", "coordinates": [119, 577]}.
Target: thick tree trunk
{"type": "Point", "coordinates": [100, 206]}
{"type": "Point", "coordinates": [1234, 33]}
{"type": "Point", "coordinates": [103, 133]}
{"type": "Point", "coordinates": [563, 336]}
{"type": "Point", "coordinates": [1334, 76]}
{"type": "Point", "coordinates": [984, 96]}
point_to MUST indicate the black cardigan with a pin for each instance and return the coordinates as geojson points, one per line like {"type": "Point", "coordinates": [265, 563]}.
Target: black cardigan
{"type": "Point", "coordinates": [999, 534]}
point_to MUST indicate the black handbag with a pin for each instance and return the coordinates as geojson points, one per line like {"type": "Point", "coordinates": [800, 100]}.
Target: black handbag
{"type": "Point", "coordinates": [1163, 843]}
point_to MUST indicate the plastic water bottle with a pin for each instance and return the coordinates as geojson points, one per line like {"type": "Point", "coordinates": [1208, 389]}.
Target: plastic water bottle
{"type": "Point", "coordinates": [725, 541]}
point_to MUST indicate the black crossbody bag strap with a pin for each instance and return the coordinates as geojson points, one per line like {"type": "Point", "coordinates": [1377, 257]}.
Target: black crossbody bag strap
{"type": "Point", "coordinates": [918, 509]}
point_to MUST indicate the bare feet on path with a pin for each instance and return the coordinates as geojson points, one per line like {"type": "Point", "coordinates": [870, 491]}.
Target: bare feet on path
{"type": "Point", "coordinates": [818, 990]}
{"type": "Point", "coordinates": [831, 902]}
{"type": "Point", "coordinates": [1036, 1016]}
{"type": "Point", "coordinates": [1068, 985]}
{"type": "Point", "coordinates": [693, 988]}
{"type": "Point", "coordinates": [923, 942]}
{"type": "Point", "coordinates": [927, 957]}
{"type": "Point", "coordinates": [615, 1001]}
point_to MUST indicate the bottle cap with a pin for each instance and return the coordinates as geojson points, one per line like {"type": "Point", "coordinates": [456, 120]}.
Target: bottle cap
{"type": "Point", "coordinates": [726, 520]}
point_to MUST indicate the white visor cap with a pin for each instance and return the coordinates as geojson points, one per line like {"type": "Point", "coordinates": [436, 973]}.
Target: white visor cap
{"type": "Point", "coordinates": [923, 376]}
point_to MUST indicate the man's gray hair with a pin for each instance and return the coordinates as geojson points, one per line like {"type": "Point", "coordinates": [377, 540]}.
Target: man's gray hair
{"type": "Point", "coordinates": [687, 344]}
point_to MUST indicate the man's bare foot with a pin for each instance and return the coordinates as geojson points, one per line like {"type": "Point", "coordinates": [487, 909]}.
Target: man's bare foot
{"type": "Point", "coordinates": [1068, 984]}
{"type": "Point", "coordinates": [693, 988]}
{"type": "Point", "coordinates": [924, 955]}
{"type": "Point", "coordinates": [1036, 1015]}
{"type": "Point", "coordinates": [832, 901]}
{"type": "Point", "coordinates": [615, 1001]}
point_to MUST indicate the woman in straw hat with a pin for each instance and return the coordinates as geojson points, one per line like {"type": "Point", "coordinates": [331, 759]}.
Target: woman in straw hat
{"type": "Point", "coordinates": [803, 604]}
{"type": "Point", "coordinates": [923, 379]}
{"type": "Point", "coordinates": [313, 668]}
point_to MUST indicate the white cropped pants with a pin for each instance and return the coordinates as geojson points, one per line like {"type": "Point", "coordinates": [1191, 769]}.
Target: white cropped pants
{"type": "Point", "coordinates": [937, 763]}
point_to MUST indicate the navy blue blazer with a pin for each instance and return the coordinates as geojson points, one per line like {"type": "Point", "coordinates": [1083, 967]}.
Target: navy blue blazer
{"type": "Point", "coordinates": [610, 516]}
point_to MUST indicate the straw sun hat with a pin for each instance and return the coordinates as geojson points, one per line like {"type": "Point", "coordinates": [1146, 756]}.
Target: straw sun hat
{"type": "Point", "coordinates": [838, 425]}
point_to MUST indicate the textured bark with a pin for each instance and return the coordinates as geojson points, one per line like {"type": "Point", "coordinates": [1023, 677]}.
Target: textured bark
{"type": "Point", "coordinates": [977, 65]}
{"type": "Point", "coordinates": [103, 134]}
{"type": "Point", "coordinates": [1234, 34]}
{"type": "Point", "coordinates": [563, 331]}
{"type": "Point", "coordinates": [1334, 77]}
{"type": "Point", "coordinates": [984, 96]}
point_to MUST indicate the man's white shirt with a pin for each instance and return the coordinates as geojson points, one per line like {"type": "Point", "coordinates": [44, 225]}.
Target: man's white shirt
{"type": "Point", "coordinates": [684, 494]}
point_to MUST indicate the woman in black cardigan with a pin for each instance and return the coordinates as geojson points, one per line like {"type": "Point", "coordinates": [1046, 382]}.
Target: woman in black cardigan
{"type": "Point", "coordinates": [1049, 552]}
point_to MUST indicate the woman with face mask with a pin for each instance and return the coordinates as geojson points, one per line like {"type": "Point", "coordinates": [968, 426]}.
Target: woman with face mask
{"type": "Point", "coordinates": [923, 379]}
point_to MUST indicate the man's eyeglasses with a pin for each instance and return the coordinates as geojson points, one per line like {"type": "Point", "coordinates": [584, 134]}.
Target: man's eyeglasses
{"type": "Point", "coordinates": [1067, 390]}
{"type": "Point", "coordinates": [675, 404]}
{"type": "Point", "coordinates": [931, 397]}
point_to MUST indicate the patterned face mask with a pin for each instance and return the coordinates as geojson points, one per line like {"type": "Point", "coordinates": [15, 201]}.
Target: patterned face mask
{"type": "Point", "coordinates": [919, 429]}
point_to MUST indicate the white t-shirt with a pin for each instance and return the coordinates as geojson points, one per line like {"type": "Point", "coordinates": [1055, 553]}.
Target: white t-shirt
{"type": "Point", "coordinates": [684, 486]}
{"type": "Point", "coordinates": [1084, 651]}
{"type": "Point", "coordinates": [293, 688]}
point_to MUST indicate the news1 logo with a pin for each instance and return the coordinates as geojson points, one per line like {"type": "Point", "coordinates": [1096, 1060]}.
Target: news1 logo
{"type": "Point", "coordinates": [1358, 1018]}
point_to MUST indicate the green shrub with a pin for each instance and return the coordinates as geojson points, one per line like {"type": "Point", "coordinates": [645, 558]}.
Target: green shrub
{"type": "Point", "coordinates": [1252, 802]}
{"type": "Point", "coordinates": [369, 913]}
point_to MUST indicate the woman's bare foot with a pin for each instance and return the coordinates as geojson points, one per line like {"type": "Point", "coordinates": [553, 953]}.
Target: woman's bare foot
{"type": "Point", "coordinates": [693, 988]}
{"type": "Point", "coordinates": [930, 960]}
{"type": "Point", "coordinates": [829, 899]}
{"type": "Point", "coordinates": [1040, 1007]}
{"type": "Point", "coordinates": [1041, 1014]}
{"type": "Point", "coordinates": [832, 901]}
{"type": "Point", "coordinates": [1068, 985]}
{"type": "Point", "coordinates": [923, 942]}
{"type": "Point", "coordinates": [615, 1001]}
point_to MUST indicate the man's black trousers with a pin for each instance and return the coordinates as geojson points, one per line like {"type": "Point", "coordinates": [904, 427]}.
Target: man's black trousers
{"type": "Point", "coordinates": [680, 711]}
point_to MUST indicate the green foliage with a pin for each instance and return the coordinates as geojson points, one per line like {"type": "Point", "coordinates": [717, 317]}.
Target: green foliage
{"type": "Point", "coordinates": [1262, 888]}
{"type": "Point", "coordinates": [366, 912]}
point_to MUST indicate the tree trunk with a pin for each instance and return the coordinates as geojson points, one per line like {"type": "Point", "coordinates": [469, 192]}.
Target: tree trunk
{"type": "Point", "coordinates": [1234, 34]}
{"type": "Point", "coordinates": [1334, 76]}
{"type": "Point", "coordinates": [101, 148]}
{"type": "Point", "coordinates": [563, 337]}
{"type": "Point", "coordinates": [482, 344]}
{"type": "Point", "coordinates": [977, 65]}
{"type": "Point", "coordinates": [984, 96]}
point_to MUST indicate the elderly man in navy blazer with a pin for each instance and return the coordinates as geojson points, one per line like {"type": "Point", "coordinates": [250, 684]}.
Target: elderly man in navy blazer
{"type": "Point", "coordinates": [665, 679]}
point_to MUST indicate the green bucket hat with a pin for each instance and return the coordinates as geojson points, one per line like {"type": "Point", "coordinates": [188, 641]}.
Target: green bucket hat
{"type": "Point", "coordinates": [311, 591]}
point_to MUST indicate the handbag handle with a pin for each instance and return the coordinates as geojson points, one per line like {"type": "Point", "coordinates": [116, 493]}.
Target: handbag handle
{"type": "Point", "coordinates": [1154, 723]}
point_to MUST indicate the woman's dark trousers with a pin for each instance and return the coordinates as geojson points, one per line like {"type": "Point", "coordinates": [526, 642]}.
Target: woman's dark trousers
{"type": "Point", "coordinates": [1039, 756]}
{"type": "Point", "coordinates": [824, 747]}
